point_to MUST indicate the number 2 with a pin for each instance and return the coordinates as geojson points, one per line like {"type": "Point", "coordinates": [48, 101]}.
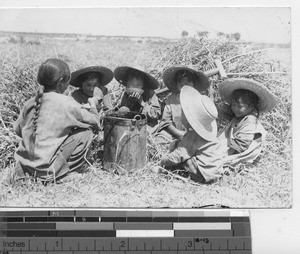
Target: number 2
{"type": "Point", "coordinates": [122, 244]}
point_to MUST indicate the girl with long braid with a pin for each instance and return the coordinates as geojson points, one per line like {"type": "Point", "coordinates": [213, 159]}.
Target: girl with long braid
{"type": "Point", "coordinates": [56, 131]}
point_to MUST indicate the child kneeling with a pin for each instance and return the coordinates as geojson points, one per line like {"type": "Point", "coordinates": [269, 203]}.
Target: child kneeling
{"type": "Point", "coordinates": [56, 131]}
{"type": "Point", "coordinates": [197, 152]}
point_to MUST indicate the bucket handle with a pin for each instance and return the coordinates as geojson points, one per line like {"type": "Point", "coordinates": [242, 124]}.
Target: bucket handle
{"type": "Point", "coordinates": [136, 121]}
{"type": "Point", "coordinates": [137, 117]}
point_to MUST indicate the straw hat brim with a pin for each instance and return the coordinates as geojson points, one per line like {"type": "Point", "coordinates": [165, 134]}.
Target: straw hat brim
{"type": "Point", "coordinates": [106, 75]}
{"type": "Point", "coordinates": [267, 100]}
{"type": "Point", "coordinates": [120, 74]}
{"type": "Point", "coordinates": [192, 105]}
{"type": "Point", "coordinates": [202, 82]}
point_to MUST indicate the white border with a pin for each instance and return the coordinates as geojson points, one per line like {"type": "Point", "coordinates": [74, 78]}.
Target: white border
{"type": "Point", "coordinates": [273, 230]}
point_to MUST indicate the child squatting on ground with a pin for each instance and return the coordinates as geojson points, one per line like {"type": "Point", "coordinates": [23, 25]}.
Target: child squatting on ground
{"type": "Point", "coordinates": [56, 131]}
{"type": "Point", "coordinates": [87, 80]}
{"type": "Point", "coordinates": [171, 126]}
{"type": "Point", "coordinates": [198, 151]}
{"type": "Point", "coordinates": [139, 95]}
{"type": "Point", "coordinates": [241, 141]}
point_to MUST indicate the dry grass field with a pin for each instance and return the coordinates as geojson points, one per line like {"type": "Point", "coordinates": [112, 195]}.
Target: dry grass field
{"type": "Point", "coordinates": [267, 183]}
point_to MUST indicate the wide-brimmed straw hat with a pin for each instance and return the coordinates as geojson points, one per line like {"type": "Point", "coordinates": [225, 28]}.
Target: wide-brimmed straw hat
{"type": "Point", "coordinates": [120, 74]}
{"type": "Point", "coordinates": [267, 100]}
{"type": "Point", "coordinates": [106, 75]}
{"type": "Point", "coordinates": [200, 112]}
{"type": "Point", "coordinates": [201, 83]}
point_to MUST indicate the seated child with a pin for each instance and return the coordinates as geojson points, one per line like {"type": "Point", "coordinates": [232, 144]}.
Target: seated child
{"type": "Point", "coordinates": [89, 78]}
{"type": "Point", "coordinates": [197, 152]}
{"type": "Point", "coordinates": [139, 95]}
{"type": "Point", "coordinates": [175, 78]}
{"type": "Point", "coordinates": [56, 131]}
{"type": "Point", "coordinates": [242, 139]}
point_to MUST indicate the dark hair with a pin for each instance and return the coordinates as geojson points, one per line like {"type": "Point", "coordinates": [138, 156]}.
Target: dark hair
{"type": "Point", "coordinates": [184, 73]}
{"type": "Point", "coordinates": [247, 96]}
{"type": "Point", "coordinates": [134, 74]}
{"type": "Point", "coordinates": [49, 74]}
{"type": "Point", "coordinates": [90, 75]}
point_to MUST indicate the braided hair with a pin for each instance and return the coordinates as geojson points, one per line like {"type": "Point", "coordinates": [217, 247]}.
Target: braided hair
{"type": "Point", "coordinates": [50, 73]}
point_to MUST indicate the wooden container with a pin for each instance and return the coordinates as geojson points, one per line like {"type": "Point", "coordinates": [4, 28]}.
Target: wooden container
{"type": "Point", "coordinates": [125, 139]}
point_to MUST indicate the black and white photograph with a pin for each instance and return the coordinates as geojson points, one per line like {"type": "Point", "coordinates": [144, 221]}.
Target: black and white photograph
{"type": "Point", "coordinates": [146, 107]}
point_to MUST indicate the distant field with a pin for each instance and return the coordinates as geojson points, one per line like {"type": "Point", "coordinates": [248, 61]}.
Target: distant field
{"type": "Point", "coordinates": [268, 183]}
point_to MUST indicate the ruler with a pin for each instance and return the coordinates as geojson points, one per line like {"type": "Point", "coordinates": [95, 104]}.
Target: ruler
{"type": "Point", "coordinates": [125, 231]}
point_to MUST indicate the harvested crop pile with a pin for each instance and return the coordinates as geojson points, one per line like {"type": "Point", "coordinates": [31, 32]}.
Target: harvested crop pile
{"type": "Point", "coordinates": [266, 183]}
{"type": "Point", "coordinates": [273, 171]}
{"type": "Point", "coordinates": [238, 60]}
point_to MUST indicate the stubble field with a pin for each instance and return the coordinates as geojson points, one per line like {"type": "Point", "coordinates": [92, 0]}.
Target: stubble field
{"type": "Point", "coordinates": [267, 183]}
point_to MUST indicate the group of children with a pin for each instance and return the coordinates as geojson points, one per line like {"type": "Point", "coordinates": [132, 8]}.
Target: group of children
{"type": "Point", "coordinates": [57, 129]}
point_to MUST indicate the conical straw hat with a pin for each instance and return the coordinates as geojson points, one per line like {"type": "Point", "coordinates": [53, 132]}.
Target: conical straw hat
{"type": "Point", "coordinates": [267, 99]}
{"type": "Point", "coordinates": [105, 73]}
{"type": "Point", "coordinates": [120, 73]}
{"type": "Point", "coordinates": [201, 83]}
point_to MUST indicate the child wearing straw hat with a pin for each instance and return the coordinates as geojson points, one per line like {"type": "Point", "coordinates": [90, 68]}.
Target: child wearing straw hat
{"type": "Point", "coordinates": [197, 152]}
{"type": "Point", "coordinates": [56, 131]}
{"type": "Point", "coordinates": [139, 95]}
{"type": "Point", "coordinates": [242, 139]}
{"type": "Point", "coordinates": [171, 126]}
{"type": "Point", "coordinates": [91, 81]}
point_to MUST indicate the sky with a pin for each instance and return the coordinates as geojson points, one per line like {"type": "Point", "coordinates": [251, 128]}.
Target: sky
{"type": "Point", "coordinates": [259, 24]}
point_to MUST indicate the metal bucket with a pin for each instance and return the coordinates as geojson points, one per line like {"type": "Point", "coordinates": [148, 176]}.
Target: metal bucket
{"type": "Point", "coordinates": [125, 140]}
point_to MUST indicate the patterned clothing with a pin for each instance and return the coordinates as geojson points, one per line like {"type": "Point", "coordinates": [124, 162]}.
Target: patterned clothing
{"type": "Point", "coordinates": [242, 140]}
{"type": "Point", "coordinates": [204, 155]}
{"type": "Point", "coordinates": [59, 118]}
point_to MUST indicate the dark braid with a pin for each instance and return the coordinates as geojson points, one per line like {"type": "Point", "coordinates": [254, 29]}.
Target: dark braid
{"type": "Point", "coordinates": [50, 73]}
{"type": "Point", "coordinates": [37, 106]}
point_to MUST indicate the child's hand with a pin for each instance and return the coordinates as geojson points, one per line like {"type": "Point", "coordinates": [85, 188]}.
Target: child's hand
{"type": "Point", "coordinates": [93, 101]}
{"type": "Point", "coordinates": [97, 98]}
{"type": "Point", "coordinates": [180, 134]}
{"type": "Point", "coordinates": [134, 96]}
{"type": "Point", "coordinates": [98, 94]}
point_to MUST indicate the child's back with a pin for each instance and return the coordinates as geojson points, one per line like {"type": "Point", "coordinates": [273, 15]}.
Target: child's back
{"type": "Point", "coordinates": [198, 151]}
{"type": "Point", "coordinates": [204, 156]}
{"type": "Point", "coordinates": [58, 116]}
{"type": "Point", "coordinates": [55, 130]}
